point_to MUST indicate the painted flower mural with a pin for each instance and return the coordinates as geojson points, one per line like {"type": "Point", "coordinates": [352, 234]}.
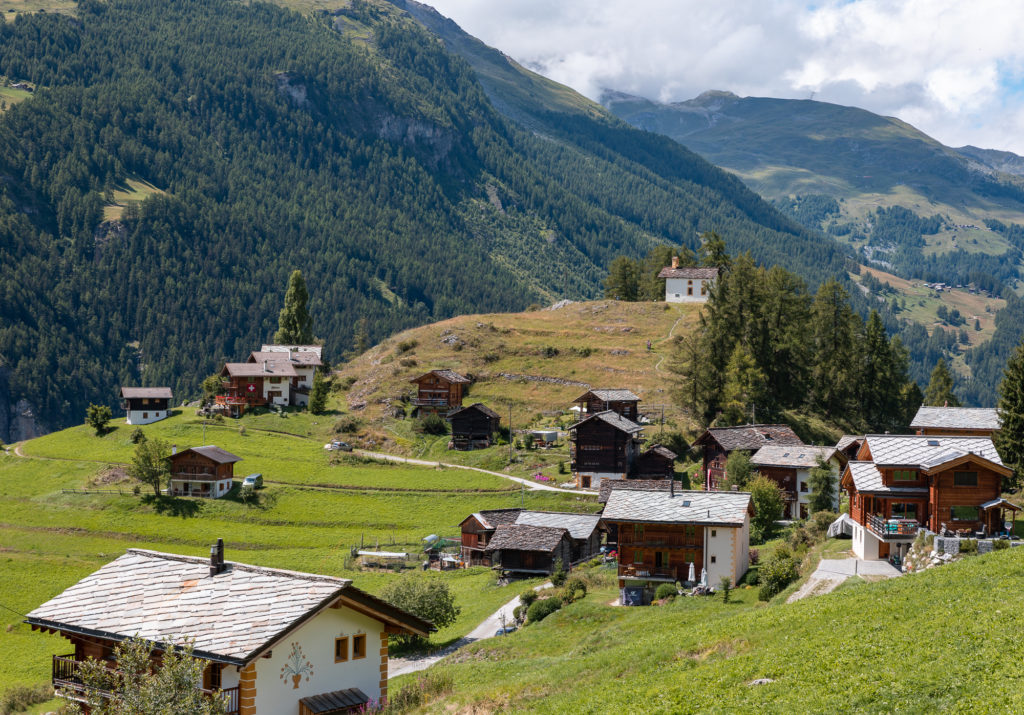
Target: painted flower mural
{"type": "Point", "coordinates": [296, 666]}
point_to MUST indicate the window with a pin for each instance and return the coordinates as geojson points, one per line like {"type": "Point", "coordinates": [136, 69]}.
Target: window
{"type": "Point", "coordinates": [904, 511]}
{"type": "Point", "coordinates": [904, 475]}
{"type": "Point", "coordinates": [638, 531]}
{"type": "Point", "coordinates": [275, 380]}
{"type": "Point", "coordinates": [703, 288]}
{"type": "Point", "coordinates": [145, 401]}
{"type": "Point", "coordinates": [965, 479]}
{"type": "Point", "coordinates": [714, 533]}
{"type": "Point", "coordinates": [358, 646]}
{"type": "Point", "coordinates": [803, 487]}
{"type": "Point", "coordinates": [713, 559]}
{"type": "Point", "coordinates": [341, 649]}
{"type": "Point", "coordinates": [964, 513]}
{"type": "Point", "coordinates": [638, 557]}
{"type": "Point", "coordinates": [145, 415]}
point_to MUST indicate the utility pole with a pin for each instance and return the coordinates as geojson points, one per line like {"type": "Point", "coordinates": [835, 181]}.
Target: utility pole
{"type": "Point", "coordinates": [510, 434]}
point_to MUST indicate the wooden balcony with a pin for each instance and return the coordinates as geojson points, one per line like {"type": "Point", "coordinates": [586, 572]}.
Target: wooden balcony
{"type": "Point", "coordinates": [649, 573]}
{"type": "Point", "coordinates": [672, 541]}
{"type": "Point", "coordinates": [68, 684]}
{"type": "Point", "coordinates": [893, 529]}
{"type": "Point", "coordinates": [431, 401]}
{"type": "Point", "coordinates": [232, 400]}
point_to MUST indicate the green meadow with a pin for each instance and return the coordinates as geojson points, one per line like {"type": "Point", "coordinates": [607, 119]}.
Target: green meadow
{"type": "Point", "coordinates": [316, 506]}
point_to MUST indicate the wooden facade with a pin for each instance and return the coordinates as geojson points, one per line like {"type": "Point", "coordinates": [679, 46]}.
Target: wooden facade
{"type": "Point", "coordinates": [602, 447]}
{"type": "Point", "coordinates": [439, 391]}
{"type": "Point", "coordinates": [621, 402]}
{"type": "Point", "coordinates": [659, 552]}
{"type": "Point", "coordinates": [526, 556]}
{"type": "Point", "coordinates": [202, 472]}
{"type": "Point", "coordinates": [473, 427]}
{"type": "Point", "coordinates": [656, 462]}
{"type": "Point", "coordinates": [787, 481]}
{"type": "Point", "coordinates": [719, 442]}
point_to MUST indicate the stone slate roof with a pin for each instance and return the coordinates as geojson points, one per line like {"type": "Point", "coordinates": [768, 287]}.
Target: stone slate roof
{"type": "Point", "coordinates": [795, 456]}
{"type": "Point", "coordinates": [336, 702]}
{"type": "Point", "coordinates": [614, 419]}
{"type": "Point", "coordinates": [639, 484]}
{"type": "Point", "coordinates": [693, 273]}
{"type": "Point", "coordinates": [579, 526]}
{"type": "Point", "coordinates": [218, 455]}
{"type": "Point", "coordinates": [927, 451]}
{"type": "Point", "coordinates": [750, 437]}
{"type": "Point", "coordinates": [846, 440]}
{"type": "Point", "coordinates": [610, 396]}
{"type": "Point", "coordinates": [979, 418]}
{"type": "Point", "coordinates": [303, 353]}
{"type": "Point", "coordinates": [491, 518]}
{"type": "Point", "coordinates": [477, 406]}
{"type": "Point", "coordinates": [520, 537]}
{"type": "Point", "coordinates": [232, 616]}
{"type": "Point", "coordinates": [307, 359]}
{"type": "Point", "coordinates": [867, 478]}
{"type": "Point", "coordinates": [146, 392]}
{"type": "Point", "coordinates": [685, 507]}
{"type": "Point", "coordinates": [662, 451]}
{"type": "Point", "coordinates": [274, 368]}
{"type": "Point", "coordinates": [449, 375]}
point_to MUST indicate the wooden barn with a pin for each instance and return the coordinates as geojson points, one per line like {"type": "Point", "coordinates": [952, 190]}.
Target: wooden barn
{"type": "Point", "coordinates": [621, 402]}
{"type": "Point", "coordinates": [717, 443]}
{"type": "Point", "coordinates": [473, 427]}
{"type": "Point", "coordinates": [521, 549]}
{"type": "Point", "coordinates": [656, 462]}
{"type": "Point", "coordinates": [439, 390]}
{"type": "Point", "coordinates": [477, 530]}
{"type": "Point", "coordinates": [604, 446]}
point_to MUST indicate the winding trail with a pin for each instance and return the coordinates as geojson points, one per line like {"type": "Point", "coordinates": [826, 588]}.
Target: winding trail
{"type": "Point", "coordinates": [657, 366]}
{"type": "Point", "coordinates": [384, 457]}
{"type": "Point", "coordinates": [487, 629]}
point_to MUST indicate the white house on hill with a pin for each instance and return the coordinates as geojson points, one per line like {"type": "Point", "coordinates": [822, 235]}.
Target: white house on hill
{"type": "Point", "coordinates": [687, 285]}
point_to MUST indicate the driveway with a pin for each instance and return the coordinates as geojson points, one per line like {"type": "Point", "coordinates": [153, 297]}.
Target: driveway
{"type": "Point", "coordinates": [832, 572]}
{"type": "Point", "coordinates": [486, 629]}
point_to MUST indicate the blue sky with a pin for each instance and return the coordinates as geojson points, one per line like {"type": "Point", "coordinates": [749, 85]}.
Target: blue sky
{"type": "Point", "coordinates": [954, 69]}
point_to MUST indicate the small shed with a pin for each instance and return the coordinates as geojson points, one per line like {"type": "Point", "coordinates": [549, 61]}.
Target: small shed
{"type": "Point", "coordinates": [517, 548]}
{"type": "Point", "coordinates": [439, 390]}
{"type": "Point", "coordinates": [656, 462]}
{"type": "Point", "coordinates": [473, 427]}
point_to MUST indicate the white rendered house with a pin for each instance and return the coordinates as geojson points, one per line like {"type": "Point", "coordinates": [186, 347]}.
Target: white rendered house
{"type": "Point", "coordinates": [687, 285]}
{"type": "Point", "coordinates": [274, 642]}
{"type": "Point", "coordinates": [143, 405]}
{"type": "Point", "coordinates": [789, 466]}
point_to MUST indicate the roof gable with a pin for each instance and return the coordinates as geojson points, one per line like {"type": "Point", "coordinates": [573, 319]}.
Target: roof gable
{"type": "Point", "coordinates": [522, 537]}
{"type": "Point", "coordinates": [797, 456]}
{"type": "Point", "coordinates": [610, 395]}
{"type": "Point", "coordinates": [476, 407]}
{"type": "Point", "coordinates": [579, 526]}
{"type": "Point", "coordinates": [211, 452]}
{"type": "Point", "coordinates": [682, 507]}
{"type": "Point", "coordinates": [749, 437]}
{"type": "Point", "coordinates": [612, 418]}
{"type": "Point", "coordinates": [156, 393]}
{"type": "Point", "coordinates": [691, 273]}
{"type": "Point", "coordinates": [607, 485]}
{"type": "Point", "coordinates": [923, 450]}
{"type": "Point", "coordinates": [446, 375]}
{"type": "Point", "coordinates": [972, 418]}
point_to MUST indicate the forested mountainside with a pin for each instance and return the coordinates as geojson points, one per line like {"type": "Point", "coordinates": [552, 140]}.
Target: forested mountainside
{"type": "Point", "coordinates": [351, 145]}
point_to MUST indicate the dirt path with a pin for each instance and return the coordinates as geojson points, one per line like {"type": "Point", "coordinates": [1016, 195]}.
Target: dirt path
{"type": "Point", "coordinates": [657, 367]}
{"type": "Point", "coordinates": [426, 463]}
{"type": "Point", "coordinates": [487, 628]}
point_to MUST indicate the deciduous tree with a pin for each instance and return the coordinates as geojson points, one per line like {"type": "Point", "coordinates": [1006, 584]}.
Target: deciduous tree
{"type": "Point", "coordinates": [766, 497]}
{"type": "Point", "coordinates": [428, 598]}
{"type": "Point", "coordinates": [149, 464]}
{"type": "Point", "coordinates": [97, 417]}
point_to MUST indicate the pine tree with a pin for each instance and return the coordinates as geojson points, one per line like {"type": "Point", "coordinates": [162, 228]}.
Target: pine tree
{"type": "Point", "coordinates": [361, 338]}
{"type": "Point", "coordinates": [822, 482]}
{"type": "Point", "coordinates": [745, 387]}
{"type": "Point", "coordinates": [623, 278]}
{"type": "Point", "coordinates": [1010, 437]}
{"type": "Point", "coordinates": [833, 325]}
{"type": "Point", "coordinates": [939, 392]}
{"type": "Point", "coordinates": [318, 394]}
{"type": "Point", "coordinates": [712, 251]}
{"type": "Point", "coordinates": [295, 325]}
{"type": "Point", "coordinates": [693, 370]}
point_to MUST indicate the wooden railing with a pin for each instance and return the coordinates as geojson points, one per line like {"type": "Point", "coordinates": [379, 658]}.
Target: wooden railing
{"type": "Point", "coordinates": [893, 528]}
{"type": "Point", "coordinates": [69, 684]}
{"type": "Point", "coordinates": [431, 401]}
{"type": "Point", "coordinates": [642, 571]}
{"type": "Point", "coordinates": [678, 541]}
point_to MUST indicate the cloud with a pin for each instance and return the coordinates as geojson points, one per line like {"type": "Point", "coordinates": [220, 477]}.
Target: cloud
{"type": "Point", "coordinates": [954, 69]}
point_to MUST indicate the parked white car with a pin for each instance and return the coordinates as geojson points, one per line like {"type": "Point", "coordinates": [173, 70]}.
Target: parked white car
{"type": "Point", "coordinates": [338, 444]}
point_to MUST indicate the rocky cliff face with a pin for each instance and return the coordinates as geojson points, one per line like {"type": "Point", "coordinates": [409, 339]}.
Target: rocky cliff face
{"type": "Point", "coordinates": [18, 419]}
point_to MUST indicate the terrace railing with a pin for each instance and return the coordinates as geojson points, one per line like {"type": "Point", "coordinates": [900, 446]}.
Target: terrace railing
{"type": "Point", "coordinates": [893, 528]}
{"type": "Point", "coordinates": [68, 683]}
{"type": "Point", "coordinates": [643, 571]}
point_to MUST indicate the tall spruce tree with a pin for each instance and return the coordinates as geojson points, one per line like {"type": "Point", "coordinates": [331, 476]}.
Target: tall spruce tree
{"type": "Point", "coordinates": [745, 387]}
{"type": "Point", "coordinates": [623, 281]}
{"type": "Point", "coordinates": [940, 387]}
{"type": "Point", "coordinates": [833, 325]}
{"type": "Point", "coordinates": [712, 251]}
{"type": "Point", "coordinates": [295, 325]}
{"type": "Point", "coordinates": [1010, 437]}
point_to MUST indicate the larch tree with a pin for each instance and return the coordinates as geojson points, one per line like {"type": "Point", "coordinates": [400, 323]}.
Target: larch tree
{"type": "Point", "coordinates": [294, 323]}
{"type": "Point", "coordinates": [833, 326]}
{"type": "Point", "coordinates": [623, 280]}
{"type": "Point", "coordinates": [1010, 437]}
{"type": "Point", "coordinates": [712, 251]}
{"type": "Point", "coordinates": [939, 392]}
{"type": "Point", "coordinates": [745, 387]}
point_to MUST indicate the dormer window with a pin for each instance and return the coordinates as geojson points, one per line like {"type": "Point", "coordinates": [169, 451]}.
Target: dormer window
{"type": "Point", "coordinates": [904, 475]}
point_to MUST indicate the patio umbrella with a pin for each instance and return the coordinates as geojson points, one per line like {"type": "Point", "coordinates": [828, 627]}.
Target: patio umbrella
{"type": "Point", "coordinates": [704, 577]}
{"type": "Point", "coordinates": [693, 576]}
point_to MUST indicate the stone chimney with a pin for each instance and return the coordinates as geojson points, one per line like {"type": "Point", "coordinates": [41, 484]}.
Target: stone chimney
{"type": "Point", "coordinates": [264, 366]}
{"type": "Point", "coordinates": [217, 558]}
{"type": "Point", "coordinates": [675, 261]}
{"type": "Point", "coordinates": [671, 487]}
{"type": "Point", "coordinates": [174, 449]}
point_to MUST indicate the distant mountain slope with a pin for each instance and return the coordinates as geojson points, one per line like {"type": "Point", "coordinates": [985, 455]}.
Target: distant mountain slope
{"type": "Point", "coordinates": [350, 144]}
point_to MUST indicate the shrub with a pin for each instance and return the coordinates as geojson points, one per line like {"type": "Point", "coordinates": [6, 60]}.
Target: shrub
{"type": "Point", "coordinates": [776, 574]}
{"type": "Point", "coordinates": [561, 467]}
{"type": "Point", "coordinates": [1000, 544]}
{"type": "Point", "coordinates": [428, 598]}
{"type": "Point", "coordinates": [542, 609]}
{"type": "Point", "coordinates": [21, 697]}
{"type": "Point", "coordinates": [575, 588]}
{"type": "Point", "coordinates": [527, 597]}
{"type": "Point", "coordinates": [725, 586]}
{"type": "Point", "coordinates": [666, 590]}
{"type": "Point", "coordinates": [800, 538]}
{"type": "Point", "coordinates": [968, 546]}
{"type": "Point", "coordinates": [548, 351]}
{"type": "Point", "coordinates": [583, 351]}
{"type": "Point", "coordinates": [491, 357]}
{"type": "Point", "coordinates": [529, 441]}
{"type": "Point", "coordinates": [347, 425]}
{"type": "Point", "coordinates": [405, 346]}
{"type": "Point", "coordinates": [137, 435]}
{"type": "Point", "coordinates": [752, 577]}
{"type": "Point", "coordinates": [431, 423]}
{"type": "Point", "coordinates": [519, 612]}
{"type": "Point", "coordinates": [820, 521]}
{"type": "Point", "coordinates": [755, 556]}
{"type": "Point", "coordinates": [97, 417]}
{"type": "Point", "coordinates": [558, 574]}
{"type": "Point", "coordinates": [241, 430]}
{"type": "Point", "coordinates": [408, 362]}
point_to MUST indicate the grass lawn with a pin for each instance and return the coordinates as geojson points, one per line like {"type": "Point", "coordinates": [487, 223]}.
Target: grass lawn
{"type": "Point", "coordinates": [10, 96]}
{"type": "Point", "coordinates": [941, 641]}
{"type": "Point", "coordinates": [50, 539]}
{"type": "Point", "coordinates": [130, 191]}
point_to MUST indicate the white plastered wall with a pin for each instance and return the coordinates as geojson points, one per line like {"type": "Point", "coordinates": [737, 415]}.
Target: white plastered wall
{"type": "Point", "coordinates": [865, 544]}
{"type": "Point", "coordinates": [135, 417]}
{"type": "Point", "coordinates": [676, 290]}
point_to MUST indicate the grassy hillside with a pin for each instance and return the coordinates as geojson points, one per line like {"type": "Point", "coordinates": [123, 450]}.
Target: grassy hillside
{"type": "Point", "coordinates": [535, 362]}
{"type": "Point", "coordinates": [315, 507]}
{"type": "Point", "coordinates": [940, 641]}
